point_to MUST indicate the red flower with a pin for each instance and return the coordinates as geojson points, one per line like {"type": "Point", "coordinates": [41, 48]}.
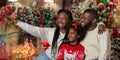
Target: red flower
{"type": "Point", "coordinates": [6, 8]}
{"type": "Point", "coordinates": [19, 8]}
{"type": "Point", "coordinates": [111, 20]}
{"type": "Point", "coordinates": [42, 17]}
{"type": "Point", "coordinates": [101, 5]}
{"type": "Point", "coordinates": [111, 5]}
{"type": "Point", "coordinates": [28, 19]}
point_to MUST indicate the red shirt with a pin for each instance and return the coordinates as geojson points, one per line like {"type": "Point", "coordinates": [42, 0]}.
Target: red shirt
{"type": "Point", "coordinates": [71, 52]}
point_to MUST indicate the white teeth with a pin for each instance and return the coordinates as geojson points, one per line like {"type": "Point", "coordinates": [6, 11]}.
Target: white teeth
{"type": "Point", "coordinates": [82, 24]}
{"type": "Point", "coordinates": [60, 24]}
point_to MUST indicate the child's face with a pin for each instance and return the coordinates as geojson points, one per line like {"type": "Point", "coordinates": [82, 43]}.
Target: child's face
{"type": "Point", "coordinates": [72, 35]}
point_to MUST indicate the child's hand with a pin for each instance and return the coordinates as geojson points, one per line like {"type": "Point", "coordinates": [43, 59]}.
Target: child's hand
{"type": "Point", "coordinates": [45, 45]}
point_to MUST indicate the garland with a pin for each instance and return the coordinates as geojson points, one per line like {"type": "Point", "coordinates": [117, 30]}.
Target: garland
{"type": "Point", "coordinates": [33, 16]}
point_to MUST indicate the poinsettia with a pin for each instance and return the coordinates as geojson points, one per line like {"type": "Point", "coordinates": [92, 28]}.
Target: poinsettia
{"type": "Point", "coordinates": [36, 16]}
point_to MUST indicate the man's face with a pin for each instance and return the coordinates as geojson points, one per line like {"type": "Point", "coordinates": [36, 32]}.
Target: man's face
{"type": "Point", "coordinates": [85, 19]}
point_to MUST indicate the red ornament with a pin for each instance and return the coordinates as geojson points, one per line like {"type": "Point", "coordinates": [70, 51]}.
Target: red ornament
{"type": "Point", "coordinates": [108, 23]}
{"type": "Point", "coordinates": [101, 5]}
{"type": "Point", "coordinates": [115, 2]}
{"type": "Point", "coordinates": [116, 32]}
{"type": "Point", "coordinates": [72, 10]}
{"type": "Point", "coordinates": [42, 17]}
{"type": "Point", "coordinates": [19, 8]}
{"type": "Point", "coordinates": [111, 6]}
{"type": "Point", "coordinates": [45, 44]}
{"type": "Point", "coordinates": [111, 20]}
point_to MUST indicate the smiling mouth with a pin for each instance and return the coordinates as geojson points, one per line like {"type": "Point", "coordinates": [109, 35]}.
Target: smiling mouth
{"type": "Point", "coordinates": [60, 24]}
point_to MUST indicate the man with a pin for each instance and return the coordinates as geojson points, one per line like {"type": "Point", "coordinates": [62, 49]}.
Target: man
{"type": "Point", "coordinates": [96, 45]}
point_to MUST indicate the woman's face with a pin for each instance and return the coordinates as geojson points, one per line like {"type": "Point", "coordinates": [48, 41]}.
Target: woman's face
{"type": "Point", "coordinates": [62, 20]}
{"type": "Point", "coordinates": [72, 35]}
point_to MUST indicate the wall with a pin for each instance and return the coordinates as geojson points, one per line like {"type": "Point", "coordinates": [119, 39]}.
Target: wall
{"type": "Point", "coordinates": [56, 5]}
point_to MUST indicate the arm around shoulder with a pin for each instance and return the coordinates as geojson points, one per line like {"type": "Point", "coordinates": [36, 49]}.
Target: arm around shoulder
{"type": "Point", "coordinates": [104, 43]}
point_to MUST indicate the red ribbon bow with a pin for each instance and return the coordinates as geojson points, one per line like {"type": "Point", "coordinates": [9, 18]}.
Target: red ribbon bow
{"type": "Point", "coordinates": [74, 25]}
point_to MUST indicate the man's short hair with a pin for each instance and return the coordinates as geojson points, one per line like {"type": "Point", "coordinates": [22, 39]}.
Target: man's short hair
{"type": "Point", "coordinates": [93, 12]}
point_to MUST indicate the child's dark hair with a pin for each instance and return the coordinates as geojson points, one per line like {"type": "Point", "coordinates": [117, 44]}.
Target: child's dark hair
{"type": "Point", "coordinates": [80, 31]}
{"type": "Point", "coordinates": [24, 35]}
{"type": "Point", "coordinates": [93, 12]}
{"type": "Point", "coordinates": [57, 31]}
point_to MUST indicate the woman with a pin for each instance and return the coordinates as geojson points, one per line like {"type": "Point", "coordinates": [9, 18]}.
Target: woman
{"type": "Point", "coordinates": [53, 35]}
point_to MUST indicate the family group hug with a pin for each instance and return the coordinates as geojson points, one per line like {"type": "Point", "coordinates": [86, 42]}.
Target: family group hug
{"type": "Point", "coordinates": [84, 40]}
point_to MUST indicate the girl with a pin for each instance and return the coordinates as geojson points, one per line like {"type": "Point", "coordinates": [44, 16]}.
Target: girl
{"type": "Point", "coordinates": [72, 50]}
